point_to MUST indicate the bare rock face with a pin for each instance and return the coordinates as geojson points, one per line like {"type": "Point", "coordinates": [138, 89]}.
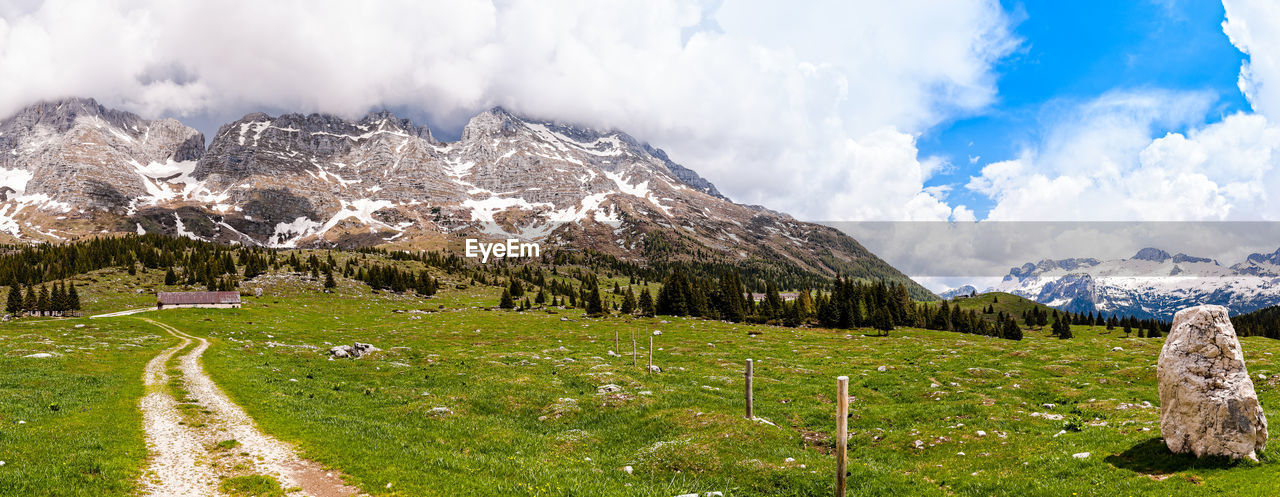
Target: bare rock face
{"type": "Point", "coordinates": [1207, 402]}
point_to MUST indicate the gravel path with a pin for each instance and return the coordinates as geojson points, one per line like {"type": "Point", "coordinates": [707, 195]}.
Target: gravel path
{"type": "Point", "coordinates": [182, 459]}
{"type": "Point", "coordinates": [178, 465]}
{"type": "Point", "coordinates": [122, 313]}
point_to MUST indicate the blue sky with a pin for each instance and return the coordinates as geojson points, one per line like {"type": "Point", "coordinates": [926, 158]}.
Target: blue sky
{"type": "Point", "coordinates": [1076, 51]}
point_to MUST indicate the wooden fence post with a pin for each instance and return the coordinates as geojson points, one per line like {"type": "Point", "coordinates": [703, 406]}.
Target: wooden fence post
{"type": "Point", "coordinates": [842, 432]}
{"type": "Point", "coordinates": [615, 342]}
{"type": "Point", "coordinates": [750, 398]}
{"type": "Point", "coordinates": [633, 349]}
{"type": "Point", "coordinates": [650, 353]}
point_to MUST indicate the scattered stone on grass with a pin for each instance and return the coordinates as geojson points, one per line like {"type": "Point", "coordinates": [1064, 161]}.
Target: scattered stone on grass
{"type": "Point", "coordinates": [354, 351]}
{"type": "Point", "coordinates": [608, 389]}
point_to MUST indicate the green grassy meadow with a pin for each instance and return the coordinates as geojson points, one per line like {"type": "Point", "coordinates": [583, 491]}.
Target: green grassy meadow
{"type": "Point", "coordinates": [464, 400]}
{"type": "Point", "coordinates": [467, 401]}
{"type": "Point", "coordinates": [70, 424]}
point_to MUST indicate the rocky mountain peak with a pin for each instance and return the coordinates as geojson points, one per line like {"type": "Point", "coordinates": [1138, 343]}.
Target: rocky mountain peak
{"type": "Point", "coordinates": [61, 115]}
{"type": "Point", "coordinates": [1152, 254]}
{"type": "Point", "coordinates": [493, 122]}
{"type": "Point", "coordinates": [1181, 258]}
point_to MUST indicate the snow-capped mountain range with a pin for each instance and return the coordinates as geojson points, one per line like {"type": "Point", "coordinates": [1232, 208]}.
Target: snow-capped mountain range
{"type": "Point", "coordinates": [72, 168]}
{"type": "Point", "coordinates": [1152, 283]}
{"type": "Point", "coordinates": [962, 291]}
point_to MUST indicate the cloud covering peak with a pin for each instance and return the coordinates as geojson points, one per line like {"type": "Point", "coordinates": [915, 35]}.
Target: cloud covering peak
{"type": "Point", "coordinates": [798, 109]}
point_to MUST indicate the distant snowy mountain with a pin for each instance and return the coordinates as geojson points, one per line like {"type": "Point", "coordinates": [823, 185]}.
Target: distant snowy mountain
{"type": "Point", "coordinates": [73, 168]}
{"type": "Point", "coordinates": [963, 291]}
{"type": "Point", "coordinates": [1152, 283]}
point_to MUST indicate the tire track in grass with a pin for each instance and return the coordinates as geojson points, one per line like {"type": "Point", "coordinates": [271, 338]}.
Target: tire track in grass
{"type": "Point", "coordinates": [268, 455]}
{"type": "Point", "coordinates": [178, 465]}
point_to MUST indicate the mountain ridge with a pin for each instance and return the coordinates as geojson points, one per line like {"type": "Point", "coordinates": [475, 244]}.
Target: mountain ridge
{"type": "Point", "coordinates": [1151, 284]}
{"type": "Point", "coordinates": [319, 180]}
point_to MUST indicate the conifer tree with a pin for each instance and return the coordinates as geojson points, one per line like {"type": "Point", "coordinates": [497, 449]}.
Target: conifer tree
{"type": "Point", "coordinates": [628, 302]}
{"type": "Point", "coordinates": [645, 303]}
{"type": "Point", "coordinates": [595, 307]}
{"type": "Point", "coordinates": [170, 278]}
{"type": "Point", "coordinates": [329, 282]}
{"type": "Point", "coordinates": [506, 302]}
{"type": "Point", "coordinates": [31, 301]}
{"type": "Point", "coordinates": [73, 298]}
{"type": "Point", "coordinates": [882, 321]}
{"type": "Point", "coordinates": [42, 301]}
{"type": "Point", "coordinates": [673, 297]}
{"type": "Point", "coordinates": [14, 305]}
{"type": "Point", "coordinates": [1011, 330]}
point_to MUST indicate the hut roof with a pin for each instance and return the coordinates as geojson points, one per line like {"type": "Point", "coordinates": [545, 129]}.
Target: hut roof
{"type": "Point", "coordinates": [179, 298]}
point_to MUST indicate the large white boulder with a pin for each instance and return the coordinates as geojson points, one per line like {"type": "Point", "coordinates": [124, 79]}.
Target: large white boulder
{"type": "Point", "coordinates": [1207, 402]}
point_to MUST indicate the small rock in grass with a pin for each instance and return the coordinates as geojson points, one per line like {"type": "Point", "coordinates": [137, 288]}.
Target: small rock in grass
{"type": "Point", "coordinates": [628, 469]}
{"type": "Point", "coordinates": [657, 332]}
{"type": "Point", "coordinates": [655, 369]}
{"type": "Point", "coordinates": [1081, 455]}
{"type": "Point", "coordinates": [982, 433]}
{"type": "Point", "coordinates": [959, 453]}
{"type": "Point", "coordinates": [441, 411]}
{"type": "Point", "coordinates": [607, 389]}
{"type": "Point", "coordinates": [41, 355]}
{"type": "Point", "coordinates": [1117, 349]}
{"type": "Point", "coordinates": [919, 444]}
{"type": "Point", "coordinates": [881, 368]}
{"type": "Point", "coordinates": [713, 494]}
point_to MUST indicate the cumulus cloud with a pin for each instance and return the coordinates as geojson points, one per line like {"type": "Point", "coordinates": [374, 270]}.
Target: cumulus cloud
{"type": "Point", "coordinates": [1254, 27]}
{"type": "Point", "coordinates": [1108, 158]}
{"type": "Point", "coordinates": [775, 104]}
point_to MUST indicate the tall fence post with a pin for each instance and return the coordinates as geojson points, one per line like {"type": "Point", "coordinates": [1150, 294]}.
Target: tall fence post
{"type": "Point", "coordinates": [750, 397]}
{"type": "Point", "coordinates": [842, 432]}
{"type": "Point", "coordinates": [633, 349]}
{"type": "Point", "coordinates": [650, 354]}
{"type": "Point", "coordinates": [615, 342]}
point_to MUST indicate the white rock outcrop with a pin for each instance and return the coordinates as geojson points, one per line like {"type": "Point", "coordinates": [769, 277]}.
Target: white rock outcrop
{"type": "Point", "coordinates": [1207, 402]}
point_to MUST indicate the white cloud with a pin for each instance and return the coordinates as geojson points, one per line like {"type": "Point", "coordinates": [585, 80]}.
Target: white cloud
{"type": "Point", "coordinates": [1102, 162]}
{"type": "Point", "coordinates": [1254, 27]}
{"type": "Point", "coordinates": [1106, 160]}
{"type": "Point", "coordinates": [779, 105]}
